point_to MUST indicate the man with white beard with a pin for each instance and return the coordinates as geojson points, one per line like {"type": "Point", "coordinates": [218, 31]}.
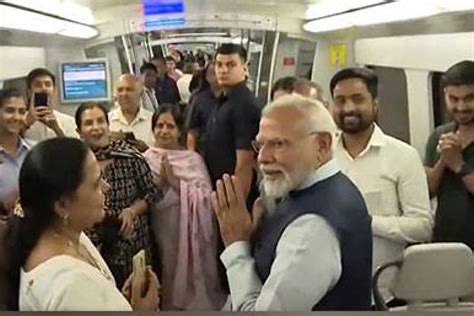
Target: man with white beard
{"type": "Point", "coordinates": [313, 251]}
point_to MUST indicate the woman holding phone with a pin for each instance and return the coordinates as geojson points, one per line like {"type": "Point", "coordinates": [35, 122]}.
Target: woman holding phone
{"type": "Point", "coordinates": [53, 266]}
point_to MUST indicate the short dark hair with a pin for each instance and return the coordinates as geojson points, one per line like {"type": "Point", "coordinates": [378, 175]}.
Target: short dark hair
{"type": "Point", "coordinates": [39, 72]}
{"type": "Point", "coordinates": [6, 94]}
{"type": "Point", "coordinates": [89, 106]}
{"type": "Point", "coordinates": [170, 58]}
{"type": "Point", "coordinates": [461, 73]}
{"type": "Point", "coordinates": [168, 108]}
{"type": "Point", "coordinates": [148, 66]}
{"type": "Point", "coordinates": [365, 74]}
{"type": "Point", "coordinates": [286, 83]}
{"type": "Point", "coordinates": [230, 49]}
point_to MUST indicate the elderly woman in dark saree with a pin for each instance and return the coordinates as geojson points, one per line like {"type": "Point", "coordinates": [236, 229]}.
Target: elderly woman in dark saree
{"type": "Point", "coordinates": [184, 221]}
{"type": "Point", "coordinates": [125, 229]}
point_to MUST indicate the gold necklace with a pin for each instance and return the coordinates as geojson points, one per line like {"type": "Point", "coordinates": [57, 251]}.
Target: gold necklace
{"type": "Point", "coordinates": [83, 254]}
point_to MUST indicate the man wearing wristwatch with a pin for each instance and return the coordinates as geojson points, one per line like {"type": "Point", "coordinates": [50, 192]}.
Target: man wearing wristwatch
{"type": "Point", "coordinates": [449, 159]}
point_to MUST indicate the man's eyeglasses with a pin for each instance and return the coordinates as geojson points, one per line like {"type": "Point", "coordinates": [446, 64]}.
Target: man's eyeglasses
{"type": "Point", "coordinates": [274, 144]}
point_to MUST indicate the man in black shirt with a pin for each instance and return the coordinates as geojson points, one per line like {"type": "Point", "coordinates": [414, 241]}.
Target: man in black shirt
{"type": "Point", "coordinates": [202, 105]}
{"type": "Point", "coordinates": [166, 90]}
{"type": "Point", "coordinates": [234, 122]}
{"type": "Point", "coordinates": [449, 159]}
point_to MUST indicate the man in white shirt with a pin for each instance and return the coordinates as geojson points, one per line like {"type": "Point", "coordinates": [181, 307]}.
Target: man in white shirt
{"type": "Point", "coordinates": [184, 81]}
{"type": "Point", "coordinates": [130, 117]}
{"type": "Point", "coordinates": [387, 171]}
{"type": "Point", "coordinates": [313, 249]}
{"type": "Point", "coordinates": [149, 75]}
{"type": "Point", "coordinates": [43, 120]}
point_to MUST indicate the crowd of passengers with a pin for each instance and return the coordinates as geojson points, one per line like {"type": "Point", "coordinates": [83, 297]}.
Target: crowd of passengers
{"type": "Point", "coordinates": [289, 206]}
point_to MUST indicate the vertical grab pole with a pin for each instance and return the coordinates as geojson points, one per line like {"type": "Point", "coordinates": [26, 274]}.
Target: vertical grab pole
{"type": "Point", "coordinates": [127, 54]}
{"type": "Point", "coordinates": [272, 66]}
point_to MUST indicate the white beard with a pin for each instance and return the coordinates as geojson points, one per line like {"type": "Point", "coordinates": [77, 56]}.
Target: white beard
{"type": "Point", "coordinates": [279, 187]}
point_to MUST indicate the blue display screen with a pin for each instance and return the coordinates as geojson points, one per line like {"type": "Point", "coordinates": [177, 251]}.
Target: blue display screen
{"type": "Point", "coordinates": [84, 81]}
{"type": "Point", "coordinates": [163, 14]}
{"type": "Point", "coordinates": [158, 7]}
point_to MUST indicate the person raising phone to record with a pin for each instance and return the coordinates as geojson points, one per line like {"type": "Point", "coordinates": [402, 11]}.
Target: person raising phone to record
{"type": "Point", "coordinates": [43, 120]}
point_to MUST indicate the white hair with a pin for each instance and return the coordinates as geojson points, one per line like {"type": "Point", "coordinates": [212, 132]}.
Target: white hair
{"type": "Point", "coordinates": [319, 118]}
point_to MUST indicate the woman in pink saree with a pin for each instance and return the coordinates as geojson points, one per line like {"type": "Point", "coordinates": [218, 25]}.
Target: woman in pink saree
{"type": "Point", "coordinates": [183, 221]}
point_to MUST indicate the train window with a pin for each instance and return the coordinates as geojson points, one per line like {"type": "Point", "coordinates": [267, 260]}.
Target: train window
{"type": "Point", "coordinates": [393, 115]}
{"type": "Point", "coordinates": [440, 113]}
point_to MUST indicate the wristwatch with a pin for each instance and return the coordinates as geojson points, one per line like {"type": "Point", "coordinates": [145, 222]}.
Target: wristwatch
{"type": "Point", "coordinates": [465, 170]}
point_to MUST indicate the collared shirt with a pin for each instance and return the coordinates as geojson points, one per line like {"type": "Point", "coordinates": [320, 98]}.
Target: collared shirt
{"type": "Point", "coordinates": [232, 126]}
{"type": "Point", "coordinates": [10, 169]}
{"type": "Point", "coordinates": [140, 126]}
{"type": "Point", "coordinates": [307, 263]}
{"type": "Point", "coordinates": [391, 177]}
{"type": "Point", "coordinates": [149, 101]}
{"type": "Point", "coordinates": [38, 131]}
{"type": "Point", "coordinates": [392, 180]}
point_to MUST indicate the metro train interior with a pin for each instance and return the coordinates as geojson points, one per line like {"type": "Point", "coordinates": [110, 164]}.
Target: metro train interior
{"type": "Point", "coordinates": [408, 44]}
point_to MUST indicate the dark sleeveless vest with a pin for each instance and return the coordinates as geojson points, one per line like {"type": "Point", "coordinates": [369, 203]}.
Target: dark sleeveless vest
{"type": "Point", "coordinates": [339, 202]}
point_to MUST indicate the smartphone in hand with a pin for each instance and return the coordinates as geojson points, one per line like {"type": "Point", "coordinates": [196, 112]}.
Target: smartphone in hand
{"type": "Point", "coordinates": [139, 268]}
{"type": "Point", "coordinates": [40, 99]}
{"type": "Point", "coordinates": [130, 136]}
{"type": "Point", "coordinates": [139, 261]}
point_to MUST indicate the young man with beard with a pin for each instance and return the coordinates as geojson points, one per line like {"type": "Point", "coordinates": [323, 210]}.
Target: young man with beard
{"type": "Point", "coordinates": [449, 159]}
{"type": "Point", "coordinates": [313, 251]}
{"type": "Point", "coordinates": [387, 171]}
